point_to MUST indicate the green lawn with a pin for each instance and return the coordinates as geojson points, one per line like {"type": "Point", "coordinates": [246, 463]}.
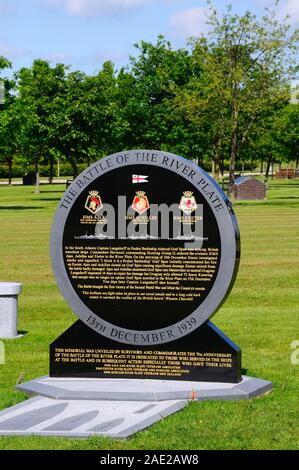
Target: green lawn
{"type": "Point", "coordinates": [261, 315]}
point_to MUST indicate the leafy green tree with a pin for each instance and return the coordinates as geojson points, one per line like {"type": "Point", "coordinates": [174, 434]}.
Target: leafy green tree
{"type": "Point", "coordinates": [289, 132]}
{"type": "Point", "coordinates": [82, 121]}
{"type": "Point", "coordinates": [267, 144]}
{"type": "Point", "coordinates": [4, 64]}
{"type": "Point", "coordinates": [145, 93]}
{"type": "Point", "coordinates": [9, 121]}
{"type": "Point", "coordinates": [10, 133]}
{"type": "Point", "coordinates": [203, 113]}
{"type": "Point", "coordinates": [246, 67]}
{"type": "Point", "coordinates": [277, 137]}
{"type": "Point", "coordinates": [38, 88]}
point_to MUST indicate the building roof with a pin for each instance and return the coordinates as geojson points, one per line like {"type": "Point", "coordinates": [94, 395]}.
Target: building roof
{"type": "Point", "coordinates": [241, 179]}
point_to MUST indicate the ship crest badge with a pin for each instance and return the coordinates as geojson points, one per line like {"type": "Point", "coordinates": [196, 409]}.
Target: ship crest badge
{"type": "Point", "coordinates": [93, 202]}
{"type": "Point", "coordinates": [140, 203]}
{"type": "Point", "coordinates": [188, 203]}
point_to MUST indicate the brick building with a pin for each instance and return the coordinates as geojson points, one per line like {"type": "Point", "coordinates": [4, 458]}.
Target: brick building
{"type": "Point", "coordinates": [249, 188]}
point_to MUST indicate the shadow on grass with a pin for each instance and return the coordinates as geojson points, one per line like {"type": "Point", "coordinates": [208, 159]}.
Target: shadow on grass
{"type": "Point", "coordinates": [16, 338]}
{"type": "Point", "coordinates": [51, 192]}
{"type": "Point", "coordinates": [291, 202]}
{"type": "Point", "coordinates": [22, 208]}
{"type": "Point", "coordinates": [284, 197]}
{"type": "Point", "coordinates": [49, 199]}
{"type": "Point", "coordinates": [279, 186]}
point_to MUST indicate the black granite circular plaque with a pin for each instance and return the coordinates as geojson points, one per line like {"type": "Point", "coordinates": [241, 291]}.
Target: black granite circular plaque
{"type": "Point", "coordinates": [145, 247]}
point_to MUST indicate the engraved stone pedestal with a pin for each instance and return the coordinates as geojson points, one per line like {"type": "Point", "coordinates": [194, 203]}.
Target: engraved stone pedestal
{"type": "Point", "coordinates": [9, 292]}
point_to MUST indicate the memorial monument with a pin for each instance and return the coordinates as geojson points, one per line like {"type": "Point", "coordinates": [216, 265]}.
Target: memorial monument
{"type": "Point", "coordinates": [145, 248]}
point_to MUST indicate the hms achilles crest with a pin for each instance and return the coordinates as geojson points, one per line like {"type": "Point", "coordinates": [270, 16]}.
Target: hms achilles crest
{"type": "Point", "coordinates": [140, 203]}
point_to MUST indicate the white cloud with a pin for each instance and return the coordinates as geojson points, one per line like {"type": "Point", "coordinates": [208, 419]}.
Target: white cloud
{"type": "Point", "coordinates": [98, 7]}
{"type": "Point", "coordinates": [59, 57]}
{"type": "Point", "coordinates": [265, 3]}
{"type": "Point", "coordinates": [94, 61]}
{"type": "Point", "coordinates": [291, 8]}
{"type": "Point", "coordinates": [191, 22]}
{"type": "Point", "coordinates": [286, 8]}
{"type": "Point", "coordinates": [10, 51]}
{"type": "Point", "coordinates": [5, 7]}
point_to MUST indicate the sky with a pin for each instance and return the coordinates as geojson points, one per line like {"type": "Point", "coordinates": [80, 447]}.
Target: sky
{"type": "Point", "coordinates": [85, 33]}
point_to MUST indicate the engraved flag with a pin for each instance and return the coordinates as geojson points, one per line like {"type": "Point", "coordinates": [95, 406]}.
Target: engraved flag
{"type": "Point", "coordinates": [139, 179]}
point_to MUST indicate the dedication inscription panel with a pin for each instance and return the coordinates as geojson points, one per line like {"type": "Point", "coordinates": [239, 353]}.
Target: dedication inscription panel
{"type": "Point", "coordinates": [145, 248]}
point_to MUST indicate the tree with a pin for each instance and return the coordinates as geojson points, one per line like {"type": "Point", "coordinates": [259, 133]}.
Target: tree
{"type": "Point", "coordinates": [10, 133]}
{"type": "Point", "coordinates": [289, 132]}
{"type": "Point", "coordinates": [266, 142]}
{"type": "Point", "coordinates": [7, 131]}
{"type": "Point", "coordinates": [38, 88]}
{"type": "Point", "coordinates": [82, 121]}
{"type": "Point", "coordinates": [247, 64]}
{"type": "Point", "coordinates": [146, 92]}
{"type": "Point", "coordinates": [4, 63]}
{"type": "Point", "coordinates": [204, 114]}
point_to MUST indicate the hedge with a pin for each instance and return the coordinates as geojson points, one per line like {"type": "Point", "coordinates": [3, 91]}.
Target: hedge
{"type": "Point", "coordinates": [18, 171]}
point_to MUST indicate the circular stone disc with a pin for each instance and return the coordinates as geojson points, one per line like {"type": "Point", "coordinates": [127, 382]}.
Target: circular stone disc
{"type": "Point", "coordinates": [144, 247]}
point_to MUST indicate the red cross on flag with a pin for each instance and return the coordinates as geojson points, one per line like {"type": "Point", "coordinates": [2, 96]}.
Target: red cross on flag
{"type": "Point", "coordinates": [139, 179]}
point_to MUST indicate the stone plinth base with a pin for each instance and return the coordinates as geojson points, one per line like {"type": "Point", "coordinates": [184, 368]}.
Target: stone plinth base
{"type": "Point", "coordinates": [108, 407]}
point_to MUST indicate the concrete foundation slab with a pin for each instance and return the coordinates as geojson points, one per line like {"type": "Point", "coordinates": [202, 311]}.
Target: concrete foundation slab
{"type": "Point", "coordinates": [83, 418]}
{"type": "Point", "coordinates": [110, 407]}
{"type": "Point", "coordinates": [143, 390]}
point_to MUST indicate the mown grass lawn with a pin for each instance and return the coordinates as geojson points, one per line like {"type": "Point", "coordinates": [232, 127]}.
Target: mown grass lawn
{"type": "Point", "coordinates": [261, 315]}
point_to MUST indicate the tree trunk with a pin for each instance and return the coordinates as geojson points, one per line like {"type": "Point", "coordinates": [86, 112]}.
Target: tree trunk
{"type": "Point", "coordinates": [216, 169]}
{"type": "Point", "coordinates": [216, 159]}
{"type": "Point", "coordinates": [9, 171]}
{"type": "Point", "coordinates": [233, 158]}
{"type": "Point", "coordinates": [262, 166]}
{"type": "Point", "coordinates": [51, 176]}
{"type": "Point", "coordinates": [297, 161]}
{"type": "Point", "coordinates": [234, 145]}
{"type": "Point", "coordinates": [37, 189]}
{"type": "Point", "coordinates": [232, 164]}
{"type": "Point", "coordinates": [269, 161]}
{"type": "Point", "coordinates": [74, 167]}
{"type": "Point", "coordinates": [222, 167]}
